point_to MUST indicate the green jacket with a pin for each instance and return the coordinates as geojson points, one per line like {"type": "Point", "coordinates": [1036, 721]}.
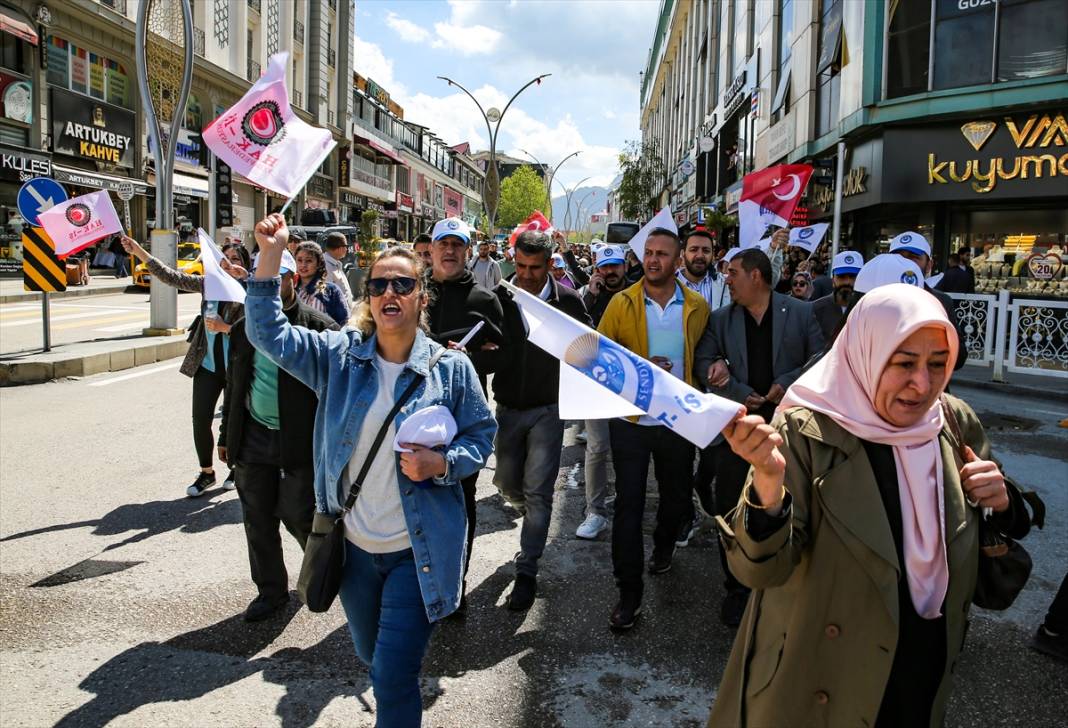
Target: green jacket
{"type": "Point", "coordinates": [818, 637]}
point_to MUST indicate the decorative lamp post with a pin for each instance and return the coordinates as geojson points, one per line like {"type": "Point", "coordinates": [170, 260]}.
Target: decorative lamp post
{"type": "Point", "coordinates": [551, 177]}
{"type": "Point", "coordinates": [491, 189]}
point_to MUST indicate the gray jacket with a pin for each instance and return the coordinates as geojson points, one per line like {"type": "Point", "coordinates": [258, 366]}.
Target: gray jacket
{"type": "Point", "coordinates": [795, 338]}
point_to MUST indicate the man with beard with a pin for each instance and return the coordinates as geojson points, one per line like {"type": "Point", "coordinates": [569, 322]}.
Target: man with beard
{"type": "Point", "coordinates": [830, 310]}
{"type": "Point", "coordinates": [457, 303]}
{"type": "Point", "coordinates": [530, 432]}
{"type": "Point", "coordinates": [485, 269]}
{"type": "Point", "coordinates": [607, 280]}
{"type": "Point", "coordinates": [659, 320]}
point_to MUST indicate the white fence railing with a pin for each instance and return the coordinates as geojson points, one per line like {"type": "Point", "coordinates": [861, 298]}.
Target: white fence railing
{"type": "Point", "coordinates": [1028, 335]}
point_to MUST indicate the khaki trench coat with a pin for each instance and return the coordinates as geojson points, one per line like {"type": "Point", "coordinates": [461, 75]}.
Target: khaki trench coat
{"type": "Point", "coordinates": [818, 637]}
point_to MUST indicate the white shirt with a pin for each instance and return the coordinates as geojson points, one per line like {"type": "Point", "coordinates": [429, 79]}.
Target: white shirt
{"type": "Point", "coordinates": [335, 273]}
{"type": "Point", "coordinates": [376, 523]}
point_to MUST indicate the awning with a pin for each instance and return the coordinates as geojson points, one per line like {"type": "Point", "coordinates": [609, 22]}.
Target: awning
{"type": "Point", "coordinates": [383, 149]}
{"type": "Point", "coordinates": [186, 184]}
{"type": "Point", "coordinates": [16, 26]}
{"type": "Point", "coordinates": [87, 178]}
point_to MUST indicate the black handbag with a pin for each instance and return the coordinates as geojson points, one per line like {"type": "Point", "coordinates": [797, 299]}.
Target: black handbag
{"type": "Point", "coordinates": [1004, 565]}
{"type": "Point", "coordinates": [324, 552]}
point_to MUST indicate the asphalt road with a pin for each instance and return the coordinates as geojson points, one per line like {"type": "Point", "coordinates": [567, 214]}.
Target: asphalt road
{"type": "Point", "coordinates": [84, 319]}
{"type": "Point", "coordinates": [120, 599]}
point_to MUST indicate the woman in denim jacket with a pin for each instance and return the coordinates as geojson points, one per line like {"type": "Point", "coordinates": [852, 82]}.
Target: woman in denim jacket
{"type": "Point", "coordinates": [406, 535]}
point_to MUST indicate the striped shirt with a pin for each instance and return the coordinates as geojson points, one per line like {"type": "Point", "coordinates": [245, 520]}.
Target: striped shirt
{"type": "Point", "coordinates": [713, 288]}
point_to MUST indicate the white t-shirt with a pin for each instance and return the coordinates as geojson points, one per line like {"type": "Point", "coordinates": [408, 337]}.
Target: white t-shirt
{"type": "Point", "coordinates": [376, 523]}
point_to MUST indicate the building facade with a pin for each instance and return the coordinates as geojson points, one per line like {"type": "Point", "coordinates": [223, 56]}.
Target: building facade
{"type": "Point", "coordinates": [952, 113]}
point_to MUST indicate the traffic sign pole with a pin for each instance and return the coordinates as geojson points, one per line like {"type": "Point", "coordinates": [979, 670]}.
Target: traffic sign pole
{"type": "Point", "coordinates": [46, 321]}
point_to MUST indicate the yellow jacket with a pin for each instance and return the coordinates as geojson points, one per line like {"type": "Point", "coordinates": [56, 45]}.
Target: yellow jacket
{"type": "Point", "coordinates": [624, 323]}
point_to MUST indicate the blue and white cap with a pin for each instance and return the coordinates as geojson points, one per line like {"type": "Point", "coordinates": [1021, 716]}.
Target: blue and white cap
{"type": "Point", "coordinates": [912, 242]}
{"type": "Point", "coordinates": [453, 226]}
{"type": "Point", "coordinates": [729, 255]}
{"type": "Point", "coordinates": [882, 270]}
{"type": "Point", "coordinates": [611, 255]}
{"type": "Point", "coordinates": [847, 263]}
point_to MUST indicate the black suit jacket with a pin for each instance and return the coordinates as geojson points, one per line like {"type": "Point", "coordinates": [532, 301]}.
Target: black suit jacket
{"type": "Point", "coordinates": [829, 316]}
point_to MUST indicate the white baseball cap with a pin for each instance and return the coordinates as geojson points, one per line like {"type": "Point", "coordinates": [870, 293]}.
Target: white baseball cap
{"type": "Point", "coordinates": [848, 262]}
{"type": "Point", "coordinates": [453, 226]}
{"type": "Point", "coordinates": [287, 265]}
{"type": "Point", "coordinates": [611, 255]}
{"type": "Point", "coordinates": [912, 242]}
{"type": "Point", "coordinates": [729, 255]}
{"type": "Point", "coordinates": [558, 261]}
{"type": "Point", "coordinates": [882, 270]}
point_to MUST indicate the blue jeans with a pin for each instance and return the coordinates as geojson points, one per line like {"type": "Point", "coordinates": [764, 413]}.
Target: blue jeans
{"type": "Point", "coordinates": [390, 629]}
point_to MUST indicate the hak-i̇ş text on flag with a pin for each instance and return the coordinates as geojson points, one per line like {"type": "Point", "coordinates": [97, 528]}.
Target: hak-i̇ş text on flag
{"type": "Point", "coordinates": [600, 379]}
{"type": "Point", "coordinates": [264, 141]}
{"type": "Point", "coordinates": [769, 198]}
{"type": "Point", "coordinates": [218, 284]}
{"type": "Point", "coordinates": [81, 221]}
{"type": "Point", "coordinates": [807, 238]}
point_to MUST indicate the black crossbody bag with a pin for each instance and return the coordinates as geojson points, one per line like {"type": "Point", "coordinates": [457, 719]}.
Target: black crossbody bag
{"type": "Point", "coordinates": [324, 553]}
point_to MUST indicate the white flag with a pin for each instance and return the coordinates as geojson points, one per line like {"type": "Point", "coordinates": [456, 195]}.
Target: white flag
{"type": "Point", "coordinates": [751, 226]}
{"type": "Point", "coordinates": [609, 369]}
{"type": "Point", "coordinates": [218, 284]}
{"type": "Point", "coordinates": [662, 219]}
{"type": "Point", "coordinates": [807, 238]}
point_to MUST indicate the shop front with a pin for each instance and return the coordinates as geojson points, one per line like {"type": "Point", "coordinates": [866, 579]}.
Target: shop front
{"type": "Point", "coordinates": [405, 206]}
{"type": "Point", "coordinates": [16, 166]}
{"type": "Point", "coordinates": [997, 185]}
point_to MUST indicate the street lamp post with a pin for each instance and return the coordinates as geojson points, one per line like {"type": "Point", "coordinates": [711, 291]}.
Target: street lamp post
{"type": "Point", "coordinates": [567, 194]}
{"type": "Point", "coordinates": [491, 189]}
{"type": "Point", "coordinates": [552, 175]}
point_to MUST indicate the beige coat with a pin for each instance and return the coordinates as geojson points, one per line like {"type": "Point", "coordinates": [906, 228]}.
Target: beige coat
{"type": "Point", "coordinates": [817, 640]}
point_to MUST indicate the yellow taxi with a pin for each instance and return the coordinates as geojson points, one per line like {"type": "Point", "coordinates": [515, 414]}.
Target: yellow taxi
{"type": "Point", "coordinates": [188, 262]}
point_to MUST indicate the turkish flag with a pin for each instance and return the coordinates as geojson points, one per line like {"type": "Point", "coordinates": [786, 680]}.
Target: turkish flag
{"type": "Point", "coordinates": [769, 198]}
{"type": "Point", "coordinates": [536, 222]}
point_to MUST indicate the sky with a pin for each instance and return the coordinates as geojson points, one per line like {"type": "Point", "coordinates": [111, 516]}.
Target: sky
{"type": "Point", "coordinates": [594, 50]}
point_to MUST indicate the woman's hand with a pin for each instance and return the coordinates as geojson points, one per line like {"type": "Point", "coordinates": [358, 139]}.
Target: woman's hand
{"type": "Point", "coordinates": [134, 248]}
{"type": "Point", "coordinates": [271, 235]}
{"type": "Point", "coordinates": [216, 325]}
{"type": "Point", "coordinates": [983, 483]}
{"type": "Point", "coordinates": [758, 444]}
{"type": "Point", "coordinates": [422, 463]}
{"type": "Point", "coordinates": [235, 271]}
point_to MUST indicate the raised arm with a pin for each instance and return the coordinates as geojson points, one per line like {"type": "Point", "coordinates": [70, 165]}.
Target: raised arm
{"type": "Point", "coordinates": [163, 272]}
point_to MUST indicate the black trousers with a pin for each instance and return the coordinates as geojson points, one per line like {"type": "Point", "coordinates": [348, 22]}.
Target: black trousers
{"type": "Point", "coordinates": [731, 472]}
{"type": "Point", "coordinates": [632, 448]}
{"type": "Point", "coordinates": [469, 484]}
{"type": "Point", "coordinates": [207, 386]}
{"type": "Point", "coordinates": [702, 485]}
{"type": "Point", "coordinates": [269, 496]}
{"type": "Point", "coordinates": [1057, 617]}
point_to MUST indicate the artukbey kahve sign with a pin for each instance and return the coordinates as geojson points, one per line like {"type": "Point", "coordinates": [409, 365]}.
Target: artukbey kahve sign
{"type": "Point", "coordinates": [90, 129]}
{"type": "Point", "coordinates": [997, 157]}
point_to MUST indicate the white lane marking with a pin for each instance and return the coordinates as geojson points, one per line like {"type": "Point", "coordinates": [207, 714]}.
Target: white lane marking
{"type": "Point", "coordinates": [134, 326]}
{"type": "Point", "coordinates": [135, 375]}
{"type": "Point", "coordinates": [59, 319]}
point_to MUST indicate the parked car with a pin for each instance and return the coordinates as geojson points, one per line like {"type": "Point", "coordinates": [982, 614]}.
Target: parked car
{"type": "Point", "coordinates": [188, 262]}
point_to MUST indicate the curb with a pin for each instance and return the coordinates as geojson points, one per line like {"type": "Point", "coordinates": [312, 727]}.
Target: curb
{"type": "Point", "coordinates": [79, 292]}
{"type": "Point", "coordinates": [39, 368]}
{"type": "Point", "coordinates": [1021, 390]}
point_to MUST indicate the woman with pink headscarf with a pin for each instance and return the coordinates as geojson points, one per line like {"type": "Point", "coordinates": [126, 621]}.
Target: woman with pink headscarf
{"type": "Point", "coordinates": [858, 530]}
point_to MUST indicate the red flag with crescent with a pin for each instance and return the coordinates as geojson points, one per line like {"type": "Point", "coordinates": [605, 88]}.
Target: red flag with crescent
{"type": "Point", "coordinates": [769, 198]}
{"type": "Point", "coordinates": [536, 222]}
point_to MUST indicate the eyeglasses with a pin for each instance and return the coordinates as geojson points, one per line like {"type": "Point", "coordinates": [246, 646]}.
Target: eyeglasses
{"type": "Point", "coordinates": [401, 285]}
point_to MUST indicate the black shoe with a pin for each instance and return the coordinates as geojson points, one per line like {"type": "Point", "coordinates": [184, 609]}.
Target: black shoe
{"type": "Point", "coordinates": [626, 613]}
{"type": "Point", "coordinates": [262, 608]}
{"type": "Point", "coordinates": [1048, 643]}
{"type": "Point", "coordinates": [201, 484]}
{"type": "Point", "coordinates": [688, 530]}
{"type": "Point", "coordinates": [733, 607]}
{"type": "Point", "coordinates": [661, 561]}
{"type": "Point", "coordinates": [524, 590]}
{"type": "Point", "coordinates": [461, 611]}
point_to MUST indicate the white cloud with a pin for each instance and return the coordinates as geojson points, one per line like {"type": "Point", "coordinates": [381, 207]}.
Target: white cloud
{"type": "Point", "coordinates": [609, 114]}
{"type": "Point", "coordinates": [371, 62]}
{"type": "Point", "coordinates": [468, 40]}
{"type": "Point", "coordinates": [406, 29]}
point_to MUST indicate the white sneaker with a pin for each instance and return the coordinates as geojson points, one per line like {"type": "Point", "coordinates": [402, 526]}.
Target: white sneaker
{"type": "Point", "coordinates": [592, 527]}
{"type": "Point", "coordinates": [229, 483]}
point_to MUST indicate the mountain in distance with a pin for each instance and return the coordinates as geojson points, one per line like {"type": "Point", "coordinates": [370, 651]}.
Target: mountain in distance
{"type": "Point", "coordinates": [590, 199]}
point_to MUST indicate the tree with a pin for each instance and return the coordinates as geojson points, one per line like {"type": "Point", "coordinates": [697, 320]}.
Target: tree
{"type": "Point", "coordinates": [522, 193]}
{"type": "Point", "coordinates": [366, 236]}
{"type": "Point", "coordinates": [716, 222]}
{"type": "Point", "coordinates": [644, 177]}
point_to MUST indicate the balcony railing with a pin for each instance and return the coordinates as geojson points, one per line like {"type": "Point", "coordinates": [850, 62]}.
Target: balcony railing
{"type": "Point", "coordinates": [331, 57]}
{"type": "Point", "coordinates": [371, 179]}
{"type": "Point", "coordinates": [254, 5]}
{"type": "Point", "coordinates": [330, 117]}
{"type": "Point", "coordinates": [198, 41]}
{"type": "Point", "coordinates": [298, 98]}
{"type": "Point", "coordinates": [253, 74]}
{"type": "Point", "coordinates": [298, 31]}
{"type": "Point", "coordinates": [332, 4]}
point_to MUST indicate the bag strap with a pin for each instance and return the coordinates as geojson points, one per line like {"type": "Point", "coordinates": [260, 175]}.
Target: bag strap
{"type": "Point", "coordinates": [954, 427]}
{"type": "Point", "coordinates": [357, 484]}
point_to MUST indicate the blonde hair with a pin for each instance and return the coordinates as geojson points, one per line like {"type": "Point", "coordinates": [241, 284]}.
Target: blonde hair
{"type": "Point", "coordinates": [361, 318]}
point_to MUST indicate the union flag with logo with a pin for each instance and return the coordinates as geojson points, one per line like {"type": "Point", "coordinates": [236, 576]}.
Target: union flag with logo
{"type": "Point", "coordinates": [264, 141]}
{"type": "Point", "coordinates": [79, 222]}
{"type": "Point", "coordinates": [769, 198]}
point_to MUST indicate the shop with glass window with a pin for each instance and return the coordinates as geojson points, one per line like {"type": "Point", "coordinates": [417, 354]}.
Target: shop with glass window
{"type": "Point", "coordinates": [18, 162]}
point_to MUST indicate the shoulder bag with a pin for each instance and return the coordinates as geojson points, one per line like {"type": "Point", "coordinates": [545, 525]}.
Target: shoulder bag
{"type": "Point", "coordinates": [1004, 565]}
{"type": "Point", "coordinates": [324, 552]}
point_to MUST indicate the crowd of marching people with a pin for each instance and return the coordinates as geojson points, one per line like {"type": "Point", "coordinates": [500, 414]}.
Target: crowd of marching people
{"type": "Point", "coordinates": [851, 492]}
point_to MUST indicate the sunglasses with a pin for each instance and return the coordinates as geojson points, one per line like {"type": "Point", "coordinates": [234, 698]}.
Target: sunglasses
{"type": "Point", "coordinates": [401, 285]}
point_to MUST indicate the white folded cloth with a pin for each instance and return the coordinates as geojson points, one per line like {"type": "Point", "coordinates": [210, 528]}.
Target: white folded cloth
{"type": "Point", "coordinates": [431, 427]}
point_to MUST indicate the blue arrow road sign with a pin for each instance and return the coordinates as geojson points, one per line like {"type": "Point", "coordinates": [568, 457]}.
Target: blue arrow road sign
{"type": "Point", "coordinates": [37, 195]}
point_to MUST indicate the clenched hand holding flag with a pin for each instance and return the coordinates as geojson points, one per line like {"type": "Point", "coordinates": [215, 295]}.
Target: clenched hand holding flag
{"type": "Point", "coordinates": [264, 141]}
{"type": "Point", "coordinates": [600, 379]}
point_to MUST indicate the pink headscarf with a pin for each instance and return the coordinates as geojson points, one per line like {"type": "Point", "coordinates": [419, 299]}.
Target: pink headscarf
{"type": "Point", "coordinates": [842, 385]}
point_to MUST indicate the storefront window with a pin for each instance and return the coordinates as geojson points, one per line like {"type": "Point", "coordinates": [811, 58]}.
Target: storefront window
{"type": "Point", "coordinates": [964, 43]}
{"type": "Point", "coordinates": [87, 73]}
{"type": "Point", "coordinates": [12, 54]}
{"type": "Point", "coordinates": [1034, 39]}
{"type": "Point", "coordinates": [828, 66]}
{"type": "Point", "coordinates": [909, 49]}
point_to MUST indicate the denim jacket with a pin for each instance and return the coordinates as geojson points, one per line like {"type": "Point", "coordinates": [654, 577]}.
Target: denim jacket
{"type": "Point", "coordinates": [339, 366]}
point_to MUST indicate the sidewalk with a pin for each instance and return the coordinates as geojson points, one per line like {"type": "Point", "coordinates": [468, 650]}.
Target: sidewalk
{"type": "Point", "coordinates": [90, 357]}
{"type": "Point", "coordinates": [1026, 385]}
{"type": "Point", "coordinates": [101, 283]}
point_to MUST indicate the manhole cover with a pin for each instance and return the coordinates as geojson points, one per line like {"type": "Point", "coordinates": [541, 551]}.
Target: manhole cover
{"type": "Point", "coordinates": [1009, 423]}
